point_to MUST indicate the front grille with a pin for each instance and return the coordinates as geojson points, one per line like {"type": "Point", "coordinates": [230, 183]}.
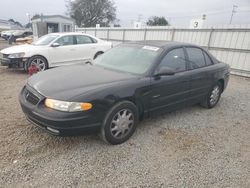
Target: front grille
{"type": "Point", "coordinates": [30, 97]}
{"type": "Point", "coordinates": [3, 55]}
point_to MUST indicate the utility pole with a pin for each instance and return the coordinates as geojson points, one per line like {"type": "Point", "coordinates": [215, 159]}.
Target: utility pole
{"type": "Point", "coordinates": [29, 21]}
{"type": "Point", "coordinates": [233, 11]}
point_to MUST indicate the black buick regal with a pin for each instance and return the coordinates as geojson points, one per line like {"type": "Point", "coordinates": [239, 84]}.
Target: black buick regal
{"type": "Point", "coordinates": [127, 83]}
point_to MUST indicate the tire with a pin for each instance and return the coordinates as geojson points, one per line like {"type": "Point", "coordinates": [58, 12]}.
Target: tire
{"type": "Point", "coordinates": [98, 54]}
{"type": "Point", "coordinates": [213, 96]}
{"type": "Point", "coordinates": [40, 62]}
{"type": "Point", "coordinates": [120, 123]}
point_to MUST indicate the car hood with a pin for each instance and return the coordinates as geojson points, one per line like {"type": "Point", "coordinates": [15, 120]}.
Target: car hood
{"type": "Point", "coordinates": [64, 83]}
{"type": "Point", "coordinates": [19, 49]}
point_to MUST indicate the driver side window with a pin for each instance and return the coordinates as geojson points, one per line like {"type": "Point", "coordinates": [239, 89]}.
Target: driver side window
{"type": "Point", "coordinates": [175, 59]}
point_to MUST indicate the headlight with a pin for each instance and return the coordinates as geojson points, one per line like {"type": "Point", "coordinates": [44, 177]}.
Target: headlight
{"type": "Point", "coordinates": [16, 55]}
{"type": "Point", "coordinates": [67, 106]}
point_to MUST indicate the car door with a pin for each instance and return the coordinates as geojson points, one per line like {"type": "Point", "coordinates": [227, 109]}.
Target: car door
{"type": "Point", "coordinates": [170, 92]}
{"type": "Point", "coordinates": [200, 71]}
{"type": "Point", "coordinates": [65, 53]}
{"type": "Point", "coordinates": [86, 48]}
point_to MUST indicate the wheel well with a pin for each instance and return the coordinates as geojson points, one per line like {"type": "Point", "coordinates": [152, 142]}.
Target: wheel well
{"type": "Point", "coordinates": [97, 53]}
{"type": "Point", "coordinates": [221, 81]}
{"type": "Point", "coordinates": [41, 56]}
{"type": "Point", "coordinates": [139, 106]}
{"type": "Point", "coordinates": [100, 52]}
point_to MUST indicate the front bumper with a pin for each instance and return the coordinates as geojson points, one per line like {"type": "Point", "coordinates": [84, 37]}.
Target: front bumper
{"type": "Point", "coordinates": [53, 121]}
{"type": "Point", "coordinates": [15, 62]}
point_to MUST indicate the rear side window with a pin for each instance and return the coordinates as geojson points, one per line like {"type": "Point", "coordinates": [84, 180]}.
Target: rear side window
{"type": "Point", "coordinates": [196, 58]}
{"type": "Point", "coordinates": [175, 59]}
{"type": "Point", "coordinates": [208, 59]}
{"type": "Point", "coordinates": [81, 39]}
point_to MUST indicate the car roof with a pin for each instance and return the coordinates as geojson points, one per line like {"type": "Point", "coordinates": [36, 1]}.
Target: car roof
{"type": "Point", "coordinates": [70, 33]}
{"type": "Point", "coordinates": [161, 43]}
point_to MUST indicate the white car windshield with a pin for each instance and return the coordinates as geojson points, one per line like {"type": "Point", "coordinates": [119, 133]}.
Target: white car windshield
{"type": "Point", "coordinates": [45, 40]}
{"type": "Point", "coordinates": [134, 59]}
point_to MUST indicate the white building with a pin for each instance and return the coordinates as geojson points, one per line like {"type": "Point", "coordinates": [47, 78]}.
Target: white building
{"type": "Point", "coordinates": [6, 25]}
{"type": "Point", "coordinates": [51, 24]}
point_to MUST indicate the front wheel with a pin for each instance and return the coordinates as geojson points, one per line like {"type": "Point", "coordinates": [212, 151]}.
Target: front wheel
{"type": "Point", "coordinates": [38, 61]}
{"type": "Point", "coordinates": [213, 96]}
{"type": "Point", "coordinates": [120, 123]}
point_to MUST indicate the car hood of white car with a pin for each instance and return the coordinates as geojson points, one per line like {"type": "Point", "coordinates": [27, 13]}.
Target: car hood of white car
{"type": "Point", "coordinates": [20, 48]}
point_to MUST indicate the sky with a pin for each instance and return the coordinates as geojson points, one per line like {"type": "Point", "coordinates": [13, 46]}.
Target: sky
{"type": "Point", "coordinates": [177, 12]}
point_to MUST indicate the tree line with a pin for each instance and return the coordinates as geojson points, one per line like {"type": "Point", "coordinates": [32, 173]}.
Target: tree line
{"type": "Point", "coordinates": [88, 13]}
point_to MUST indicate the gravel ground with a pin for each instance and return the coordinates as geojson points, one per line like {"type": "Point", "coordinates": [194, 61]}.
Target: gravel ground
{"type": "Point", "coordinates": [193, 147]}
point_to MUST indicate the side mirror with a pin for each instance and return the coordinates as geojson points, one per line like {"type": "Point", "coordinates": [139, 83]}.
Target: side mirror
{"type": "Point", "coordinates": [55, 45]}
{"type": "Point", "coordinates": [164, 71]}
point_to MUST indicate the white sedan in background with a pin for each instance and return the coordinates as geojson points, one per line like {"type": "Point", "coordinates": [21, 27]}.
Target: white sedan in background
{"type": "Point", "coordinates": [53, 50]}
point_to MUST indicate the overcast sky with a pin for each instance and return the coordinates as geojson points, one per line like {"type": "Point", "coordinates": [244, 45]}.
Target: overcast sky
{"type": "Point", "coordinates": [178, 12]}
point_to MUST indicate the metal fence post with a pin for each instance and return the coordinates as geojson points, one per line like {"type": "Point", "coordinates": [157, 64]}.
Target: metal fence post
{"type": "Point", "coordinates": [209, 39]}
{"type": "Point", "coordinates": [123, 35]}
{"type": "Point", "coordinates": [173, 32]}
{"type": "Point", "coordinates": [145, 34]}
{"type": "Point", "coordinates": [107, 34]}
{"type": "Point", "coordinates": [95, 31]}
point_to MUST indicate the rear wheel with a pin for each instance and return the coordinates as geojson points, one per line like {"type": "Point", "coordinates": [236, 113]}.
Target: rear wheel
{"type": "Point", "coordinates": [120, 123]}
{"type": "Point", "coordinates": [38, 61]}
{"type": "Point", "coordinates": [213, 96]}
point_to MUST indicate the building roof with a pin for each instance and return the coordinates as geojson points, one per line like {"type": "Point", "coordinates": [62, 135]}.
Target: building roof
{"type": "Point", "coordinates": [53, 16]}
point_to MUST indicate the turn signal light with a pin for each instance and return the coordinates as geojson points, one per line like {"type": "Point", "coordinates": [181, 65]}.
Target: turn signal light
{"type": "Point", "coordinates": [86, 106]}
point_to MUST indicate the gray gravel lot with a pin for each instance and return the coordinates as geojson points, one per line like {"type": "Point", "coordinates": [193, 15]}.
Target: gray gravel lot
{"type": "Point", "coordinates": [193, 147]}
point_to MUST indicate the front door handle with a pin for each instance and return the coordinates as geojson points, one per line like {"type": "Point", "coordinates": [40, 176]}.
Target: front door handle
{"type": "Point", "coordinates": [156, 96]}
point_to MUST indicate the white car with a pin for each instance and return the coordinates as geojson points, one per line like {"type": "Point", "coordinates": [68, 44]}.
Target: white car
{"type": "Point", "coordinates": [53, 50]}
{"type": "Point", "coordinates": [6, 34]}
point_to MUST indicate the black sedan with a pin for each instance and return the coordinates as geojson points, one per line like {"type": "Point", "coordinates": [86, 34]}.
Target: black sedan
{"type": "Point", "coordinates": [129, 82]}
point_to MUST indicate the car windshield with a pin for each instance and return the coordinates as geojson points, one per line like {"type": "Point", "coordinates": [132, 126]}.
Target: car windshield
{"type": "Point", "coordinates": [45, 40]}
{"type": "Point", "coordinates": [129, 58]}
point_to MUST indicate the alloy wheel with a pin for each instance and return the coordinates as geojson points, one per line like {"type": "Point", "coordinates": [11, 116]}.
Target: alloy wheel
{"type": "Point", "coordinates": [215, 95]}
{"type": "Point", "coordinates": [39, 63]}
{"type": "Point", "coordinates": [122, 123]}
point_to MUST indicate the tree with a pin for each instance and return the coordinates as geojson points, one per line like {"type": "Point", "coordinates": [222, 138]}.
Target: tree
{"type": "Point", "coordinates": [88, 13]}
{"type": "Point", "coordinates": [157, 21]}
